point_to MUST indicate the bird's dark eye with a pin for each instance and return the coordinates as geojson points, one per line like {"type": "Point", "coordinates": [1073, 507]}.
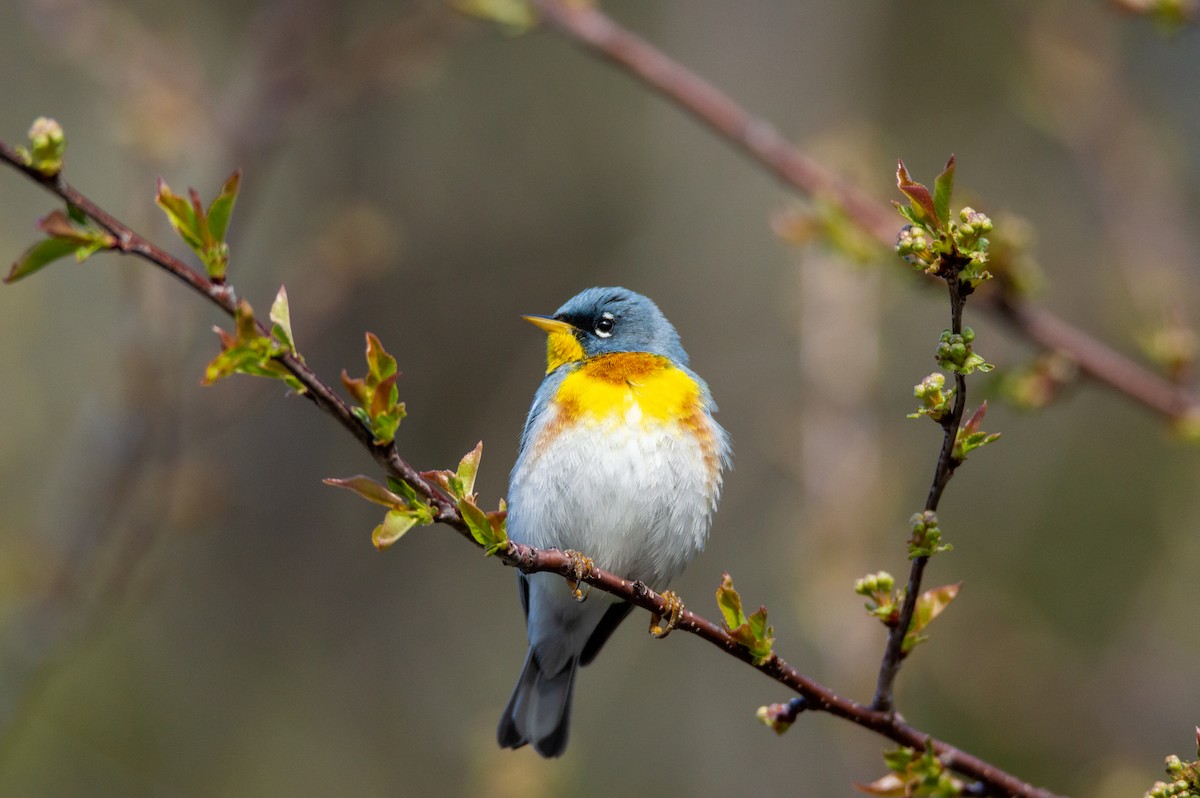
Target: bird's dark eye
{"type": "Point", "coordinates": [605, 324]}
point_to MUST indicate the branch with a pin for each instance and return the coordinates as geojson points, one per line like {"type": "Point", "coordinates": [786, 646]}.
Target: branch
{"type": "Point", "coordinates": [816, 695]}
{"type": "Point", "coordinates": [893, 653]}
{"type": "Point", "coordinates": [592, 29]}
{"type": "Point", "coordinates": [527, 558]}
{"type": "Point", "coordinates": [223, 296]}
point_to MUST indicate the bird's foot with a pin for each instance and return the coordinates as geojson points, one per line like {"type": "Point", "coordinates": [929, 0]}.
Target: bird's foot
{"type": "Point", "coordinates": [582, 566]}
{"type": "Point", "coordinates": [672, 611]}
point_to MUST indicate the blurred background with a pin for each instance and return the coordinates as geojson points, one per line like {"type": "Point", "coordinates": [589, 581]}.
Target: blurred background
{"type": "Point", "coordinates": [187, 611]}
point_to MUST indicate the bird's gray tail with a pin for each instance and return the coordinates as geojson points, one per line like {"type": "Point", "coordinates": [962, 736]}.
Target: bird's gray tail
{"type": "Point", "coordinates": [539, 712]}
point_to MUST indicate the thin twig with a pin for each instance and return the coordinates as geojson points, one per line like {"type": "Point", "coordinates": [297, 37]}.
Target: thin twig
{"type": "Point", "coordinates": [587, 25]}
{"type": "Point", "coordinates": [527, 558]}
{"type": "Point", "coordinates": [893, 653]}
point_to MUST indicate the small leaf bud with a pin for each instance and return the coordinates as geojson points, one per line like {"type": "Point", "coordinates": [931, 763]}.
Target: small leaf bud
{"type": "Point", "coordinates": [47, 143]}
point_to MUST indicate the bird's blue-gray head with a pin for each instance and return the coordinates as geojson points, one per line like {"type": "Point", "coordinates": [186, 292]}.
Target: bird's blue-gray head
{"type": "Point", "coordinates": [603, 320]}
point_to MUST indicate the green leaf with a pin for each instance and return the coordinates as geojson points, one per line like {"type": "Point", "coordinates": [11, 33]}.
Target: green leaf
{"type": "Point", "coordinates": [281, 316]}
{"type": "Point", "coordinates": [468, 467]}
{"type": "Point", "coordinates": [38, 256]}
{"type": "Point", "coordinates": [489, 532]}
{"type": "Point", "coordinates": [762, 634]}
{"type": "Point", "coordinates": [930, 605]}
{"type": "Point", "coordinates": [181, 214]}
{"type": "Point", "coordinates": [913, 216]}
{"type": "Point", "coordinates": [394, 525]}
{"type": "Point", "coordinates": [730, 603]}
{"type": "Point", "coordinates": [943, 187]}
{"type": "Point", "coordinates": [221, 208]}
{"type": "Point", "coordinates": [369, 489]}
{"type": "Point", "coordinates": [402, 488]}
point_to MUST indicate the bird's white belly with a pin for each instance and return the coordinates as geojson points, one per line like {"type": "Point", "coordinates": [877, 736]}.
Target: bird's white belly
{"type": "Point", "coordinates": [635, 496]}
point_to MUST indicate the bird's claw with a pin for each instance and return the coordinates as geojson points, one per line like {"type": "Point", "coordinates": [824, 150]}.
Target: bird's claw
{"type": "Point", "coordinates": [582, 567]}
{"type": "Point", "coordinates": [672, 611]}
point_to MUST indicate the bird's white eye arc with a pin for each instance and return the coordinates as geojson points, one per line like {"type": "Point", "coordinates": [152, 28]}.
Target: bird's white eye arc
{"type": "Point", "coordinates": [605, 324]}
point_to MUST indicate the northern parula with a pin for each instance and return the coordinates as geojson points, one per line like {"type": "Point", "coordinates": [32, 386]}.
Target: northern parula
{"type": "Point", "coordinates": [620, 464]}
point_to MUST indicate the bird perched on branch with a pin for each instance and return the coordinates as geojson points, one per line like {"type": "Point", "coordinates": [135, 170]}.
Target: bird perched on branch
{"type": "Point", "coordinates": [620, 464]}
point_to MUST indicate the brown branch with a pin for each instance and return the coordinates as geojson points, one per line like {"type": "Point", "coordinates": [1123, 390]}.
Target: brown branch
{"type": "Point", "coordinates": [588, 26]}
{"type": "Point", "coordinates": [223, 296]}
{"type": "Point", "coordinates": [1094, 358]}
{"type": "Point", "coordinates": [527, 558]}
{"type": "Point", "coordinates": [817, 696]}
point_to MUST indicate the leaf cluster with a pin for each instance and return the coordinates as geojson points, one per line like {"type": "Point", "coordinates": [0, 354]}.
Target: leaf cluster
{"type": "Point", "coordinates": [915, 774]}
{"type": "Point", "coordinates": [405, 507]}
{"type": "Point", "coordinates": [884, 602]}
{"type": "Point", "coordinates": [489, 529]}
{"type": "Point", "coordinates": [970, 437]}
{"type": "Point", "coordinates": [202, 229]}
{"type": "Point", "coordinates": [751, 631]}
{"type": "Point", "coordinates": [248, 351]}
{"type": "Point", "coordinates": [69, 233]}
{"type": "Point", "coordinates": [379, 405]}
{"type": "Point", "coordinates": [933, 242]}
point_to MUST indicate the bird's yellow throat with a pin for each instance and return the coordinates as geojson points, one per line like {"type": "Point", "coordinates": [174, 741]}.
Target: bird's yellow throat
{"type": "Point", "coordinates": [623, 381]}
{"type": "Point", "coordinates": [562, 347]}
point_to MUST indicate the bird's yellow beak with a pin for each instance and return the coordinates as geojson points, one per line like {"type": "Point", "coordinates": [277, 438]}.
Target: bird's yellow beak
{"type": "Point", "coordinates": [561, 344]}
{"type": "Point", "coordinates": [550, 325]}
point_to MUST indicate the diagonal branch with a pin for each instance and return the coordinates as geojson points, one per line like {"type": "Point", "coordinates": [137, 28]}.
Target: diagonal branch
{"type": "Point", "coordinates": [223, 296]}
{"type": "Point", "coordinates": [592, 29]}
{"type": "Point", "coordinates": [527, 558]}
{"type": "Point", "coordinates": [816, 695]}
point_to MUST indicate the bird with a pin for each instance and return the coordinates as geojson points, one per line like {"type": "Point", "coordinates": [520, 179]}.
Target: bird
{"type": "Point", "coordinates": [620, 465]}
